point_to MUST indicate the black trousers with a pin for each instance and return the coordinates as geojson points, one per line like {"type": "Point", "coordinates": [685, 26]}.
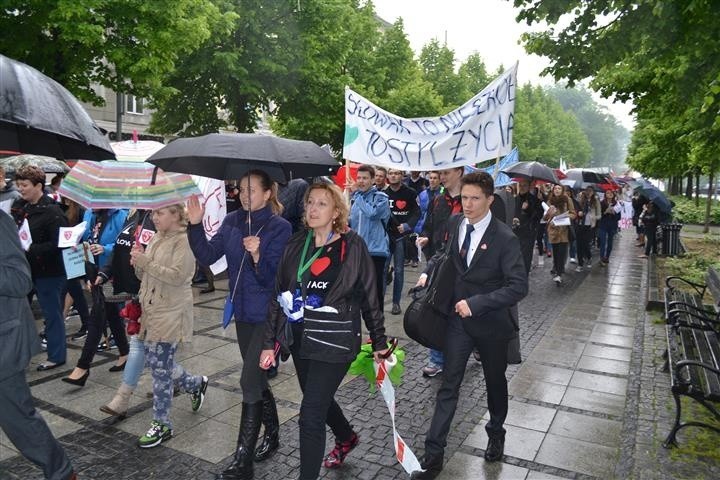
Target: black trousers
{"type": "Point", "coordinates": [27, 430]}
{"type": "Point", "coordinates": [584, 238]}
{"type": "Point", "coordinates": [493, 355]}
{"type": "Point", "coordinates": [96, 327]}
{"type": "Point", "coordinates": [560, 252]}
{"type": "Point", "coordinates": [527, 242]}
{"type": "Point", "coordinates": [379, 263]}
{"type": "Point", "coordinates": [253, 379]}
{"type": "Point", "coordinates": [318, 381]}
{"type": "Point", "coordinates": [650, 240]}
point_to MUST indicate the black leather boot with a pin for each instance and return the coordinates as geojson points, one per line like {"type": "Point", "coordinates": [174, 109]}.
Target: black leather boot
{"type": "Point", "coordinates": [271, 436]}
{"type": "Point", "coordinates": [241, 467]}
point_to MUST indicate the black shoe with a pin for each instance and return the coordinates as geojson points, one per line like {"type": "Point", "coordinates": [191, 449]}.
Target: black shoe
{"type": "Point", "coordinates": [241, 467]}
{"type": "Point", "coordinates": [118, 368]}
{"type": "Point", "coordinates": [78, 382]}
{"type": "Point", "coordinates": [432, 464]}
{"type": "Point", "coordinates": [396, 310]}
{"type": "Point", "coordinates": [495, 449]}
{"type": "Point", "coordinates": [207, 290]}
{"type": "Point", "coordinates": [271, 437]}
{"type": "Point", "coordinates": [476, 355]}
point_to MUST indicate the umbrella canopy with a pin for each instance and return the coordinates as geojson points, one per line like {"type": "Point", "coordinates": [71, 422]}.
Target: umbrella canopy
{"type": "Point", "coordinates": [584, 175]}
{"type": "Point", "coordinates": [654, 194]}
{"type": "Point", "coordinates": [231, 156]}
{"type": "Point", "coordinates": [39, 116]}
{"type": "Point", "coordinates": [135, 151]}
{"type": "Point", "coordinates": [113, 184]}
{"type": "Point", "coordinates": [47, 164]}
{"type": "Point", "coordinates": [531, 170]}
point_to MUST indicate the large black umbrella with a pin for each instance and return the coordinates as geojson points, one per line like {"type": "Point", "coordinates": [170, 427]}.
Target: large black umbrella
{"type": "Point", "coordinates": [654, 194]}
{"type": "Point", "coordinates": [39, 116]}
{"type": "Point", "coordinates": [531, 170]}
{"type": "Point", "coordinates": [586, 176]}
{"type": "Point", "coordinates": [231, 156]}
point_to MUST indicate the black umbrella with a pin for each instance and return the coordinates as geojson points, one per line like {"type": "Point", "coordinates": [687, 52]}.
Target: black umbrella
{"type": "Point", "coordinates": [39, 116]}
{"type": "Point", "coordinates": [231, 156]}
{"type": "Point", "coordinates": [531, 170]}
{"type": "Point", "coordinates": [586, 176]}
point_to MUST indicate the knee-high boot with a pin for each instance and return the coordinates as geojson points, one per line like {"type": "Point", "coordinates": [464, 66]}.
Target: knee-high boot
{"type": "Point", "coordinates": [241, 467]}
{"type": "Point", "coordinates": [271, 436]}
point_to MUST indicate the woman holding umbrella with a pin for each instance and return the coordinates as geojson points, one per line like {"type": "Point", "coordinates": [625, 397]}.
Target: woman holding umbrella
{"type": "Point", "coordinates": [328, 269]}
{"type": "Point", "coordinates": [558, 230]}
{"type": "Point", "coordinates": [252, 239]}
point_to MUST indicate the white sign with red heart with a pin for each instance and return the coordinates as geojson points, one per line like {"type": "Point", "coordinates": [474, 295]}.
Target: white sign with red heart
{"type": "Point", "coordinates": [70, 236]}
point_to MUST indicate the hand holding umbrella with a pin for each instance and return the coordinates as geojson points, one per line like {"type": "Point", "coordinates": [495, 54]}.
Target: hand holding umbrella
{"type": "Point", "coordinates": [195, 211]}
{"type": "Point", "coordinates": [252, 245]}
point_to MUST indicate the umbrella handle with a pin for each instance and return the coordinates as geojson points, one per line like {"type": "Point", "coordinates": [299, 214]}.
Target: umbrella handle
{"type": "Point", "coordinates": [393, 346]}
{"type": "Point", "coordinates": [154, 175]}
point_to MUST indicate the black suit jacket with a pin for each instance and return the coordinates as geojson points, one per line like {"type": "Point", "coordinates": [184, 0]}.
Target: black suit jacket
{"type": "Point", "coordinates": [494, 282]}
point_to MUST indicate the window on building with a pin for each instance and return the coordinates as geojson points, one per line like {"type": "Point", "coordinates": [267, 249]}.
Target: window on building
{"type": "Point", "coordinates": [133, 104]}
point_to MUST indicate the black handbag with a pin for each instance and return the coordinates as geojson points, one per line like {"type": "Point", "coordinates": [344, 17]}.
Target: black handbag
{"type": "Point", "coordinates": [425, 319]}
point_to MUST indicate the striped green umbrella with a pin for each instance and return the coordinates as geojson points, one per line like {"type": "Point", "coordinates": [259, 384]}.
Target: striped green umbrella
{"type": "Point", "coordinates": [113, 184]}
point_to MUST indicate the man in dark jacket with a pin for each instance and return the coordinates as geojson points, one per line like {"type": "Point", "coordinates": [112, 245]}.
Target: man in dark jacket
{"type": "Point", "coordinates": [44, 217]}
{"type": "Point", "coordinates": [526, 221]}
{"type": "Point", "coordinates": [405, 213]}
{"type": "Point", "coordinates": [490, 281]}
{"type": "Point", "coordinates": [18, 343]}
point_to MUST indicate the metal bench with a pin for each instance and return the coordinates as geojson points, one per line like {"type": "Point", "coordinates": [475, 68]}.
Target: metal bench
{"type": "Point", "coordinates": [687, 309]}
{"type": "Point", "coordinates": [694, 353]}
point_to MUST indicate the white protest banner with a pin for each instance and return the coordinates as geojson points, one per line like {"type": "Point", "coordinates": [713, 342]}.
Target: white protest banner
{"type": "Point", "coordinates": [70, 236]}
{"type": "Point", "coordinates": [213, 192]}
{"type": "Point", "coordinates": [403, 452]}
{"type": "Point", "coordinates": [479, 130]}
{"type": "Point", "coordinates": [24, 234]}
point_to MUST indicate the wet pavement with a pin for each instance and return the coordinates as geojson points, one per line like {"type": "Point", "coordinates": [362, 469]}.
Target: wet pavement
{"type": "Point", "coordinates": [588, 401]}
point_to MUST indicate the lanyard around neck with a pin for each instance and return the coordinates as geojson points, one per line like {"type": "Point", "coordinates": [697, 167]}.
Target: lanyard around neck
{"type": "Point", "coordinates": [303, 265]}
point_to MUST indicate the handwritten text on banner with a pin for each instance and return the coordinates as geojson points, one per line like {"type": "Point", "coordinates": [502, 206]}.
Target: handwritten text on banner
{"type": "Point", "coordinates": [479, 130]}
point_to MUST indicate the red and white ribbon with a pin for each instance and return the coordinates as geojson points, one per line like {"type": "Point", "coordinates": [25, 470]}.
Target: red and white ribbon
{"type": "Point", "coordinates": [404, 454]}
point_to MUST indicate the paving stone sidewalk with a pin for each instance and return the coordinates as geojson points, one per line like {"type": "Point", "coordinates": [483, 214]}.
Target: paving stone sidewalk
{"type": "Point", "coordinates": [587, 402]}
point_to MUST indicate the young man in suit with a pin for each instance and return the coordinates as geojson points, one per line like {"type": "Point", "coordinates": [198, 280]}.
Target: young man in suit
{"type": "Point", "coordinates": [490, 281]}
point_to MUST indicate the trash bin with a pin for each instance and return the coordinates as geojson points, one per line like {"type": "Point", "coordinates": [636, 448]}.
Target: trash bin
{"type": "Point", "coordinates": [671, 239]}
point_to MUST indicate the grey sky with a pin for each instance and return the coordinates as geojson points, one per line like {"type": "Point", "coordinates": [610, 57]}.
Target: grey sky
{"type": "Point", "coordinates": [485, 26]}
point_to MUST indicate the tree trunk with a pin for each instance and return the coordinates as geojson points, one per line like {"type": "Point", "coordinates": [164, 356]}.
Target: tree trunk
{"type": "Point", "coordinates": [697, 189]}
{"type": "Point", "coordinates": [708, 203]}
{"type": "Point", "coordinates": [688, 187]}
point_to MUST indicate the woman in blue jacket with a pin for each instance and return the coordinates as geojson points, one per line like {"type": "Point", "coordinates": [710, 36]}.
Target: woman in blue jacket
{"type": "Point", "coordinates": [252, 238]}
{"type": "Point", "coordinates": [101, 231]}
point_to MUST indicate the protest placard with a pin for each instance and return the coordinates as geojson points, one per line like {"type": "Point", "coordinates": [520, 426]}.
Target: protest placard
{"type": "Point", "coordinates": [74, 259]}
{"type": "Point", "coordinates": [70, 236]}
{"type": "Point", "coordinates": [479, 130]}
{"type": "Point", "coordinates": [213, 192]}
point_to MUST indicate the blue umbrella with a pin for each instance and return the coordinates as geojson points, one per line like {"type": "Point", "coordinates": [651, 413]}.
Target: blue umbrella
{"type": "Point", "coordinates": [654, 194]}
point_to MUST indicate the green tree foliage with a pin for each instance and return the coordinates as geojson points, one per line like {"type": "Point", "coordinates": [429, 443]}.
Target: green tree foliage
{"type": "Point", "coordinates": [661, 54]}
{"type": "Point", "coordinates": [244, 66]}
{"type": "Point", "coordinates": [473, 75]}
{"type": "Point", "coordinates": [545, 132]}
{"type": "Point", "coordinates": [438, 67]}
{"type": "Point", "coordinates": [607, 137]}
{"type": "Point", "coordinates": [127, 46]}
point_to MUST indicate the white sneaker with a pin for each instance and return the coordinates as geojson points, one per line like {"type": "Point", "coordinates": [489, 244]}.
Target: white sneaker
{"type": "Point", "coordinates": [588, 265]}
{"type": "Point", "coordinates": [541, 261]}
{"type": "Point", "coordinates": [557, 279]}
{"type": "Point", "coordinates": [573, 260]}
{"type": "Point", "coordinates": [579, 269]}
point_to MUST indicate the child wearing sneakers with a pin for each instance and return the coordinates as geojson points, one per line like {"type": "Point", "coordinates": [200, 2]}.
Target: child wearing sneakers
{"type": "Point", "coordinates": [165, 270]}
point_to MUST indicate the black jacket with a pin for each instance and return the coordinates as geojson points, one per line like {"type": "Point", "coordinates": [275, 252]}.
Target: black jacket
{"type": "Point", "coordinates": [353, 294]}
{"type": "Point", "coordinates": [118, 266]}
{"type": "Point", "coordinates": [443, 206]}
{"type": "Point", "coordinates": [529, 217]}
{"type": "Point", "coordinates": [45, 219]}
{"type": "Point", "coordinates": [494, 282]}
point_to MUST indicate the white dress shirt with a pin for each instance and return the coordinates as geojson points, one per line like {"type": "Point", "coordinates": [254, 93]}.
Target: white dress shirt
{"type": "Point", "coordinates": [476, 235]}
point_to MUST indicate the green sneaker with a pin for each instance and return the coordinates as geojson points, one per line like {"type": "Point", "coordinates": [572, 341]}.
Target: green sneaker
{"type": "Point", "coordinates": [158, 433]}
{"type": "Point", "coordinates": [198, 397]}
